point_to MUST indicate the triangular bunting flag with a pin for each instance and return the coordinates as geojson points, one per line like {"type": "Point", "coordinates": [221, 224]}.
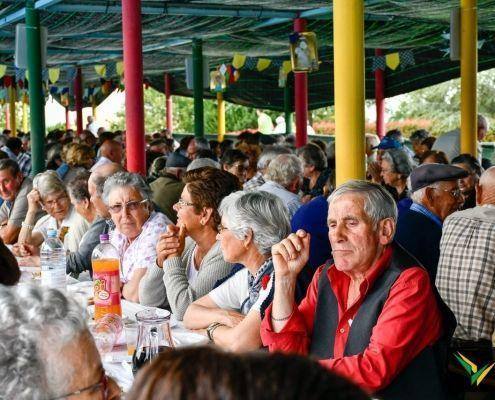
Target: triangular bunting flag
{"type": "Point", "coordinates": [119, 66]}
{"type": "Point", "coordinates": [263, 63]}
{"type": "Point", "coordinates": [101, 70]}
{"type": "Point", "coordinates": [392, 60]}
{"type": "Point", "coordinates": [53, 74]}
{"type": "Point", "coordinates": [3, 69]}
{"type": "Point", "coordinates": [238, 61]}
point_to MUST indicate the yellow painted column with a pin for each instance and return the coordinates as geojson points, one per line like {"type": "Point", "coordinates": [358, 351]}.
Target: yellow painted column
{"type": "Point", "coordinates": [93, 108]}
{"type": "Point", "coordinates": [25, 128]}
{"type": "Point", "coordinates": [469, 69]}
{"type": "Point", "coordinates": [221, 116]}
{"type": "Point", "coordinates": [12, 96]}
{"type": "Point", "coordinates": [348, 44]}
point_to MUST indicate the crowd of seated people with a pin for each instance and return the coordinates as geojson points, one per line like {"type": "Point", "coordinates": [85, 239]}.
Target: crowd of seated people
{"type": "Point", "coordinates": [251, 244]}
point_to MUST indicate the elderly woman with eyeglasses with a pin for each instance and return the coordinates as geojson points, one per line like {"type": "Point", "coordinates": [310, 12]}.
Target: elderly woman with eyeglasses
{"type": "Point", "coordinates": [137, 227]}
{"type": "Point", "coordinates": [189, 259]}
{"type": "Point", "coordinates": [252, 222]}
{"type": "Point", "coordinates": [50, 194]}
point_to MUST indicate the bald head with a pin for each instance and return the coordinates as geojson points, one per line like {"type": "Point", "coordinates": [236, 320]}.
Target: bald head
{"type": "Point", "coordinates": [95, 186]}
{"type": "Point", "coordinates": [485, 191]}
{"type": "Point", "coordinates": [112, 150]}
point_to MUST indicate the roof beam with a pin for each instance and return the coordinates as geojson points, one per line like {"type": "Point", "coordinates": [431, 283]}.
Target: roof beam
{"type": "Point", "coordinates": [19, 15]}
{"type": "Point", "coordinates": [173, 9]}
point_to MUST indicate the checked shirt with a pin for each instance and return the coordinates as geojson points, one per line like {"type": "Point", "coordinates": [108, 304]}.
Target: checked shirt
{"type": "Point", "coordinates": [466, 271]}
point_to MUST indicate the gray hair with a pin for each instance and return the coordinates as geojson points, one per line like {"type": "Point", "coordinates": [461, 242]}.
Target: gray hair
{"type": "Point", "coordinates": [202, 162]}
{"type": "Point", "coordinates": [36, 323]}
{"type": "Point", "coordinates": [399, 160]}
{"type": "Point", "coordinates": [269, 153]}
{"type": "Point", "coordinates": [284, 169]}
{"type": "Point", "coordinates": [378, 203]}
{"type": "Point", "coordinates": [126, 179]}
{"type": "Point", "coordinates": [48, 182]}
{"type": "Point", "coordinates": [261, 212]}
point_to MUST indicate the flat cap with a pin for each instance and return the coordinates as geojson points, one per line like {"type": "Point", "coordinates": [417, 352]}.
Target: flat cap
{"type": "Point", "coordinates": [177, 160]}
{"type": "Point", "coordinates": [427, 174]}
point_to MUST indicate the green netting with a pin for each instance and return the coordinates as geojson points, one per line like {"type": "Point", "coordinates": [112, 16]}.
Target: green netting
{"type": "Point", "coordinates": [89, 33]}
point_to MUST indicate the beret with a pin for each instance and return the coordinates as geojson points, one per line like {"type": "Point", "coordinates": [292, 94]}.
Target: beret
{"type": "Point", "coordinates": [177, 160]}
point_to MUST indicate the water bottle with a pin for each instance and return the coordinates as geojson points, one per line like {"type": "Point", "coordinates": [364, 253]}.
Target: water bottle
{"type": "Point", "coordinates": [53, 261]}
{"type": "Point", "coordinates": [105, 262]}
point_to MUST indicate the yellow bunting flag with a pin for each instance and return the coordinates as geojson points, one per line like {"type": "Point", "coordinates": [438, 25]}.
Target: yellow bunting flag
{"type": "Point", "coordinates": [101, 70]}
{"type": "Point", "coordinates": [238, 61]}
{"type": "Point", "coordinates": [53, 74]}
{"type": "Point", "coordinates": [392, 60]}
{"type": "Point", "coordinates": [119, 67]}
{"type": "Point", "coordinates": [3, 69]}
{"type": "Point", "coordinates": [287, 67]}
{"type": "Point", "coordinates": [263, 63]}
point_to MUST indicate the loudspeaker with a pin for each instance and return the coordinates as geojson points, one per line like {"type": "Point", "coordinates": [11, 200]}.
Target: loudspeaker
{"type": "Point", "coordinates": [189, 73]}
{"type": "Point", "coordinates": [21, 50]}
{"type": "Point", "coordinates": [455, 34]}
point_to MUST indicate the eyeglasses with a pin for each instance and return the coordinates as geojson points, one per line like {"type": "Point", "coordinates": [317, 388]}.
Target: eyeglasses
{"type": "Point", "coordinates": [182, 203]}
{"type": "Point", "coordinates": [456, 193]}
{"type": "Point", "coordinates": [102, 384]}
{"type": "Point", "coordinates": [53, 203]}
{"type": "Point", "coordinates": [129, 206]}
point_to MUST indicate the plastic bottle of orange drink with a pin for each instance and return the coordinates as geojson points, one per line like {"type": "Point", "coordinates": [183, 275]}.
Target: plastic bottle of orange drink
{"type": "Point", "coordinates": [106, 278]}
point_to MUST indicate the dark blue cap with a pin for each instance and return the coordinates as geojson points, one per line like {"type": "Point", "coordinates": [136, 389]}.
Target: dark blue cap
{"type": "Point", "coordinates": [388, 143]}
{"type": "Point", "coordinates": [427, 174]}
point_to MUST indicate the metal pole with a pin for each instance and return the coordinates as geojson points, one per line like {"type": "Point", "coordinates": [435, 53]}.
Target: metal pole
{"type": "Point", "coordinates": [469, 68]}
{"type": "Point", "coordinates": [348, 38]}
{"type": "Point", "coordinates": [24, 116]}
{"type": "Point", "coordinates": [168, 105]}
{"type": "Point", "coordinates": [301, 95]}
{"type": "Point", "coordinates": [288, 108]}
{"type": "Point", "coordinates": [197, 50]}
{"type": "Point", "coordinates": [380, 98]}
{"type": "Point", "coordinates": [36, 98]}
{"type": "Point", "coordinates": [79, 101]}
{"type": "Point", "coordinates": [221, 116]}
{"type": "Point", "coordinates": [133, 71]}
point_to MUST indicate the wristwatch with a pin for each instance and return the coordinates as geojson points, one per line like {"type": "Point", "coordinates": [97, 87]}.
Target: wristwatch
{"type": "Point", "coordinates": [211, 328]}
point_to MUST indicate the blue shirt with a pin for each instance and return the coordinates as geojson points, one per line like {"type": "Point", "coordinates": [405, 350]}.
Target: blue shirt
{"type": "Point", "coordinates": [423, 210]}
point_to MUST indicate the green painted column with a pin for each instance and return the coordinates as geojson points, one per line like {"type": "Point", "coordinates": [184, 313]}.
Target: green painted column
{"type": "Point", "coordinates": [36, 98]}
{"type": "Point", "coordinates": [197, 50]}
{"type": "Point", "coordinates": [288, 108]}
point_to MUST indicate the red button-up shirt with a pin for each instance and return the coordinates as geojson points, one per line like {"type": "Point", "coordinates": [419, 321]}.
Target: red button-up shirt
{"type": "Point", "coordinates": [410, 320]}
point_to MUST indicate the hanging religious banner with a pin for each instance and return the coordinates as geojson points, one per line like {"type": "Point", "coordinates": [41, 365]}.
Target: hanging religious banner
{"type": "Point", "coordinates": [217, 81]}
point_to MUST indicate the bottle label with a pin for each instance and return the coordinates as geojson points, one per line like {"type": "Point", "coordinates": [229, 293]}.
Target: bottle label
{"type": "Point", "coordinates": [106, 288]}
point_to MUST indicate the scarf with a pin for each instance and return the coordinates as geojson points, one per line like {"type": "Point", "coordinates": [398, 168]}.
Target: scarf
{"type": "Point", "coordinates": [255, 285]}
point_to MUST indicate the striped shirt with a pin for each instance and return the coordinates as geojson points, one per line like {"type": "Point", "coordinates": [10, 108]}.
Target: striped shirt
{"type": "Point", "coordinates": [466, 271]}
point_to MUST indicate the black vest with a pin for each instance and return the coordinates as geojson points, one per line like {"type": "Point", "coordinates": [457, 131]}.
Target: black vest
{"type": "Point", "coordinates": [423, 377]}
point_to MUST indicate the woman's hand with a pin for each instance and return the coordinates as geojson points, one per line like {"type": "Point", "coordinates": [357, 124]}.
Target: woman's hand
{"type": "Point", "coordinates": [25, 250]}
{"type": "Point", "coordinates": [231, 318]}
{"type": "Point", "coordinates": [34, 200]}
{"type": "Point", "coordinates": [171, 243]}
{"type": "Point", "coordinates": [291, 255]}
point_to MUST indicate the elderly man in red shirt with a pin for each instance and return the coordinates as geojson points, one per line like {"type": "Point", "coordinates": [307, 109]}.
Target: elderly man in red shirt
{"type": "Point", "coordinates": [373, 315]}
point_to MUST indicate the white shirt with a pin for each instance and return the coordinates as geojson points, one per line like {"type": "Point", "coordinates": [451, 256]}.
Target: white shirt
{"type": "Point", "coordinates": [450, 144]}
{"type": "Point", "coordinates": [234, 291]}
{"type": "Point", "coordinates": [192, 271]}
{"type": "Point", "coordinates": [291, 200]}
{"type": "Point", "coordinates": [101, 161]}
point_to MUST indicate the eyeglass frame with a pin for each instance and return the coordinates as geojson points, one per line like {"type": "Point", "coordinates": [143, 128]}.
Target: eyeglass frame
{"type": "Point", "coordinates": [182, 203]}
{"type": "Point", "coordinates": [57, 201]}
{"type": "Point", "coordinates": [455, 193]}
{"type": "Point", "coordinates": [103, 382]}
{"type": "Point", "coordinates": [132, 205]}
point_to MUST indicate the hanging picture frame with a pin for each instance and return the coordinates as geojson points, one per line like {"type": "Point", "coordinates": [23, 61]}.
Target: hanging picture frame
{"type": "Point", "coordinates": [304, 52]}
{"type": "Point", "coordinates": [218, 82]}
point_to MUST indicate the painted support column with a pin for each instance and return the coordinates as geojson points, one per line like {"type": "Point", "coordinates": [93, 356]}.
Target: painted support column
{"type": "Point", "coordinates": [221, 116]}
{"type": "Point", "coordinates": [93, 108]}
{"type": "Point", "coordinates": [168, 105]}
{"type": "Point", "coordinates": [7, 116]}
{"type": "Point", "coordinates": [67, 118]}
{"type": "Point", "coordinates": [469, 68]}
{"type": "Point", "coordinates": [79, 101]}
{"type": "Point", "coordinates": [301, 95]}
{"type": "Point", "coordinates": [348, 38]}
{"type": "Point", "coordinates": [380, 98]}
{"type": "Point", "coordinates": [12, 96]}
{"type": "Point", "coordinates": [288, 108]}
{"type": "Point", "coordinates": [197, 50]}
{"type": "Point", "coordinates": [25, 127]}
{"type": "Point", "coordinates": [134, 98]}
{"type": "Point", "coordinates": [36, 97]}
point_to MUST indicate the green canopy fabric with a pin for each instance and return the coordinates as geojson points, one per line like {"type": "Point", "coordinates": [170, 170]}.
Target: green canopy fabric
{"type": "Point", "coordinates": [88, 33]}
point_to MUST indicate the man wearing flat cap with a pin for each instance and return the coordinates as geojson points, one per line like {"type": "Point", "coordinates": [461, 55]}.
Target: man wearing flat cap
{"type": "Point", "coordinates": [435, 195]}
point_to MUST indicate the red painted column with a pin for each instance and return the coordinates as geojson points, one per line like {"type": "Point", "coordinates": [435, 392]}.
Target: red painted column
{"type": "Point", "coordinates": [301, 95]}
{"type": "Point", "coordinates": [133, 73]}
{"type": "Point", "coordinates": [7, 116]}
{"type": "Point", "coordinates": [67, 119]}
{"type": "Point", "coordinates": [79, 101]}
{"type": "Point", "coordinates": [380, 98]}
{"type": "Point", "coordinates": [168, 104]}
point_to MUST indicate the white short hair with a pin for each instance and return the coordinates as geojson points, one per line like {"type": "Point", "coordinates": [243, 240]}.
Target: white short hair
{"type": "Point", "coordinates": [284, 169]}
